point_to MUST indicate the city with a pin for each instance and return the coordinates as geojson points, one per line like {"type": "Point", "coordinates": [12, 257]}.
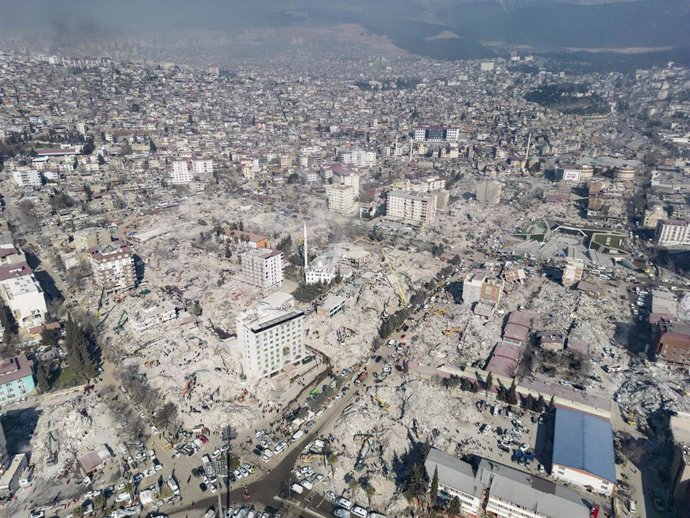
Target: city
{"type": "Point", "coordinates": [373, 286]}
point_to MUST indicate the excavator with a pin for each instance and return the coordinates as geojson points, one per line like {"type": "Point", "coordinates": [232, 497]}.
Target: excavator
{"type": "Point", "coordinates": [452, 331]}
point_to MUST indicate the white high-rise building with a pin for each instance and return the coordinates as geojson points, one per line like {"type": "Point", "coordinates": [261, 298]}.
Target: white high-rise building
{"type": "Point", "coordinates": [262, 267]}
{"type": "Point", "coordinates": [22, 294]}
{"type": "Point", "coordinates": [671, 232]}
{"type": "Point", "coordinates": [409, 206]}
{"type": "Point", "coordinates": [27, 178]}
{"type": "Point", "coordinates": [183, 171]}
{"type": "Point", "coordinates": [271, 336]}
{"type": "Point", "coordinates": [358, 158]}
{"type": "Point", "coordinates": [341, 198]}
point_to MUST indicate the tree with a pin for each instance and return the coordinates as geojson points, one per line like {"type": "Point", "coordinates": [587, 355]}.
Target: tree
{"type": "Point", "coordinates": [152, 146]}
{"type": "Point", "coordinates": [101, 160]}
{"type": "Point", "coordinates": [234, 462]}
{"type": "Point", "coordinates": [88, 147]}
{"type": "Point", "coordinates": [488, 382]}
{"type": "Point", "coordinates": [370, 491]}
{"type": "Point", "coordinates": [88, 192]}
{"type": "Point", "coordinates": [78, 512]}
{"type": "Point", "coordinates": [197, 309]}
{"type": "Point", "coordinates": [42, 377]}
{"type": "Point", "coordinates": [352, 484]}
{"type": "Point", "coordinates": [99, 501]}
{"type": "Point", "coordinates": [511, 396]}
{"type": "Point", "coordinates": [434, 486]}
{"type": "Point", "coordinates": [455, 506]}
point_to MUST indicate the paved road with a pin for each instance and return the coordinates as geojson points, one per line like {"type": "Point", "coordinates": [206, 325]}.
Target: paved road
{"type": "Point", "coordinates": [264, 490]}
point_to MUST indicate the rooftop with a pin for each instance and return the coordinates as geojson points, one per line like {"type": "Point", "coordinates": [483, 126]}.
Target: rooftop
{"type": "Point", "coordinates": [585, 442]}
{"type": "Point", "coordinates": [15, 368]}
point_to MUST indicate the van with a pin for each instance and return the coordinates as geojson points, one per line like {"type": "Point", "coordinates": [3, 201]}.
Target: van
{"type": "Point", "coordinates": [297, 489]}
{"type": "Point", "coordinates": [297, 435]}
{"type": "Point", "coordinates": [359, 511]}
{"type": "Point", "coordinates": [280, 447]}
{"type": "Point", "coordinates": [343, 502]}
{"type": "Point", "coordinates": [632, 506]}
{"type": "Point", "coordinates": [306, 484]}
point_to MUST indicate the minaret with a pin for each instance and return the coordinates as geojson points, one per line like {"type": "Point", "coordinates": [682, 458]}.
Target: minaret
{"type": "Point", "coordinates": [306, 252]}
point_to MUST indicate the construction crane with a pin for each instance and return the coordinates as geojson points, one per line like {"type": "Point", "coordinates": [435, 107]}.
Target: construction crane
{"type": "Point", "coordinates": [403, 298]}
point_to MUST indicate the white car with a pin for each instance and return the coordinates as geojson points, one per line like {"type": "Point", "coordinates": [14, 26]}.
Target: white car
{"type": "Point", "coordinates": [280, 447]}
{"type": "Point", "coordinates": [259, 433]}
{"type": "Point", "coordinates": [343, 502]}
{"type": "Point", "coordinates": [306, 484]}
{"type": "Point", "coordinates": [319, 413]}
{"type": "Point", "coordinates": [360, 511]}
{"type": "Point", "coordinates": [341, 513]}
{"type": "Point", "coordinates": [215, 453]}
{"type": "Point", "coordinates": [297, 489]}
{"type": "Point", "coordinates": [212, 488]}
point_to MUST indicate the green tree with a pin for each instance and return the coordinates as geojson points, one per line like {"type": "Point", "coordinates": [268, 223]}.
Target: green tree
{"type": "Point", "coordinates": [434, 486]}
{"type": "Point", "coordinates": [78, 512]}
{"type": "Point", "coordinates": [42, 377]}
{"type": "Point", "coordinates": [101, 160]}
{"type": "Point", "coordinates": [234, 462]}
{"type": "Point", "coordinates": [353, 485]}
{"type": "Point", "coordinates": [152, 146]}
{"type": "Point", "coordinates": [370, 491]}
{"type": "Point", "coordinates": [49, 337]}
{"type": "Point", "coordinates": [488, 382]}
{"type": "Point", "coordinates": [88, 147]}
{"type": "Point", "coordinates": [197, 309]}
{"type": "Point", "coordinates": [99, 502]}
{"type": "Point", "coordinates": [455, 506]}
{"type": "Point", "coordinates": [512, 396]}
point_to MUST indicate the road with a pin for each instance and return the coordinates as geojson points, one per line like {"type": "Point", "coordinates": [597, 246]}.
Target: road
{"type": "Point", "coordinates": [263, 490]}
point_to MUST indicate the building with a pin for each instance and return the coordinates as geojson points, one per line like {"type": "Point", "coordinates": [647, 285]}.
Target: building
{"type": "Point", "coordinates": [95, 460]}
{"type": "Point", "coordinates": [9, 481]}
{"type": "Point", "coordinates": [680, 465]}
{"type": "Point", "coordinates": [624, 172]}
{"type": "Point", "coordinates": [27, 178]}
{"type": "Point", "coordinates": [412, 207]}
{"type": "Point", "coordinates": [673, 343]}
{"type": "Point", "coordinates": [341, 199]}
{"type": "Point", "coordinates": [342, 175]}
{"type": "Point", "coordinates": [91, 238]}
{"type": "Point", "coordinates": [113, 266]}
{"type": "Point", "coordinates": [489, 192]}
{"type": "Point", "coordinates": [583, 451]}
{"type": "Point", "coordinates": [3, 450]}
{"type": "Point", "coordinates": [572, 272]}
{"type": "Point", "coordinates": [358, 158]}
{"type": "Point", "coordinates": [10, 253]}
{"type": "Point", "coordinates": [472, 287]}
{"type": "Point", "coordinates": [262, 267]}
{"type": "Point", "coordinates": [271, 336]}
{"type": "Point", "coordinates": [456, 478]}
{"type": "Point", "coordinates": [478, 287]}
{"type": "Point", "coordinates": [16, 378]}
{"type": "Point", "coordinates": [22, 294]}
{"type": "Point", "coordinates": [568, 173]}
{"type": "Point", "coordinates": [184, 171]}
{"type": "Point", "coordinates": [492, 489]}
{"type": "Point", "coordinates": [436, 134]}
{"type": "Point", "coordinates": [333, 305]}
{"type": "Point", "coordinates": [431, 184]}
{"type": "Point", "coordinates": [654, 212]}
{"type": "Point", "coordinates": [248, 239]}
{"type": "Point", "coordinates": [320, 270]}
{"type": "Point", "coordinates": [151, 316]}
{"type": "Point", "coordinates": [672, 232]}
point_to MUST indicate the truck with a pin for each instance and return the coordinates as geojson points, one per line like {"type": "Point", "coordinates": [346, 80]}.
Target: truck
{"type": "Point", "coordinates": [297, 435]}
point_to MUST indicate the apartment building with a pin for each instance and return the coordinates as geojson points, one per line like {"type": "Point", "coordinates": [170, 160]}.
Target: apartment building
{"type": "Point", "coordinates": [184, 171]}
{"type": "Point", "coordinates": [271, 336]}
{"type": "Point", "coordinates": [358, 158]}
{"type": "Point", "coordinates": [497, 490]}
{"type": "Point", "coordinates": [27, 178]}
{"type": "Point", "coordinates": [16, 378]}
{"type": "Point", "coordinates": [341, 199]}
{"type": "Point", "coordinates": [413, 207]}
{"type": "Point", "coordinates": [23, 295]}
{"type": "Point", "coordinates": [436, 134]}
{"type": "Point", "coordinates": [90, 238]}
{"type": "Point", "coordinates": [113, 266]}
{"type": "Point", "coordinates": [672, 232]}
{"type": "Point", "coordinates": [479, 287]}
{"type": "Point", "coordinates": [262, 267]}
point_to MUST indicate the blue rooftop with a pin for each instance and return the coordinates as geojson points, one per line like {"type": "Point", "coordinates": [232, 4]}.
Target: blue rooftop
{"type": "Point", "coordinates": [583, 441]}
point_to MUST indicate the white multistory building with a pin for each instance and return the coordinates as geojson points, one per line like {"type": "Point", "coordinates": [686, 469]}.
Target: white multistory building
{"type": "Point", "coordinates": [670, 232]}
{"type": "Point", "coordinates": [262, 267]}
{"type": "Point", "coordinates": [341, 198]}
{"type": "Point", "coordinates": [436, 134]}
{"type": "Point", "coordinates": [271, 336]}
{"type": "Point", "coordinates": [27, 177]}
{"type": "Point", "coordinates": [358, 158]}
{"type": "Point", "coordinates": [411, 206]}
{"type": "Point", "coordinates": [22, 294]}
{"type": "Point", "coordinates": [184, 171]}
